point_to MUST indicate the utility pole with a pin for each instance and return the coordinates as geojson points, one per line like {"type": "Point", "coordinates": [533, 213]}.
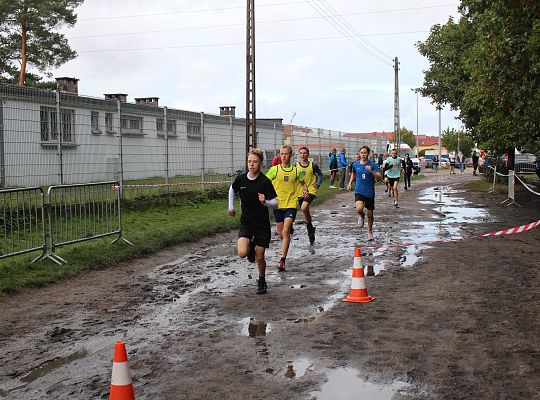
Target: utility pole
{"type": "Point", "coordinates": [397, 130]}
{"type": "Point", "coordinates": [251, 128]}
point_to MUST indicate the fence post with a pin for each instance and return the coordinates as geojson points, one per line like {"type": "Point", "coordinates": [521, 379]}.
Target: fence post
{"type": "Point", "coordinates": [494, 179]}
{"type": "Point", "coordinates": [320, 147]}
{"type": "Point", "coordinates": [120, 139]}
{"type": "Point", "coordinates": [59, 136]}
{"type": "Point", "coordinates": [165, 122]}
{"type": "Point", "coordinates": [2, 150]}
{"type": "Point", "coordinates": [203, 150]}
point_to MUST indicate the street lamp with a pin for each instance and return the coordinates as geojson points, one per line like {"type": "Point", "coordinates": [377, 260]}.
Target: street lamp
{"type": "Point", "coordinates": [417, 132]}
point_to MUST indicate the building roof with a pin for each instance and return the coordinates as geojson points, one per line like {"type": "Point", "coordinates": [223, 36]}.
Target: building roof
{"type": "Point", "coordinates": [427, 141]}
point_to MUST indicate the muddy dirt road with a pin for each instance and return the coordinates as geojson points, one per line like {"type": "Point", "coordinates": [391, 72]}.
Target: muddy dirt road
{"type": "Point", "coordinates": [457, 320]}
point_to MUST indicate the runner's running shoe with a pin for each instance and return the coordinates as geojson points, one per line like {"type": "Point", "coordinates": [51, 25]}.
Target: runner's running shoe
{"type": "Point", "coordinates": [261, 286]}
{"type": "Point", "coordinates": [361, 219]}
{"type": "Point", "coordinates": [370, 236]}
{"type": "Point", "coordinates": [311, 234]}
{"type": "Point", "coordinates": [281, 266]}
{"type": "Point", "coordinates": [251, 252]}
{"type": "Point", "coordinates": [396, 204]}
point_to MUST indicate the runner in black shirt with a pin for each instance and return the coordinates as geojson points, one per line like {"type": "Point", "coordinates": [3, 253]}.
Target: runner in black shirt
{"type": "Point", "coordinates": [256, 194]}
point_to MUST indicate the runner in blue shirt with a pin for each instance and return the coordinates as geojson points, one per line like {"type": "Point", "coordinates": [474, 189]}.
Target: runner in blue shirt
{"type": "Point", "coordinates": [364, 172]}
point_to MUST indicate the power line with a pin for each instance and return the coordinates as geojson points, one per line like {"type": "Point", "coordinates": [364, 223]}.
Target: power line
{"type": "Point", "coordinates": [345, 31]}
{"type": "Point", "coordinates": [230, 44]}
{"type": "Point", "coordinates": [353, 29]}
{"type": "Point", "coordinates": [260, 5]}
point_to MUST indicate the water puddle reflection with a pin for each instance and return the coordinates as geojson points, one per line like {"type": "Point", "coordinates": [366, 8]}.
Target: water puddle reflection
{"type": "Point", "coordinates": [51, 365]}
{"type": "Point", "coordinates": [345, 384]}
{"type": "Point", "coordinates": [220, 252]}
{"type": "Point", "coordinates": [253, 328]}
{"type": "Point", "coordinates": [297, 369]}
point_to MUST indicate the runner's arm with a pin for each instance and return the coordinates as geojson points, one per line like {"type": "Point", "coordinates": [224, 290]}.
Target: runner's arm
{"type": "Point", "coordinates": [232, 211]}
{"type": "Point", "coordinates": [351, 179]}
{"type": "Point", "coordinates": [320, 175]}
{"type": "Point", "coordinates": [272, 203]}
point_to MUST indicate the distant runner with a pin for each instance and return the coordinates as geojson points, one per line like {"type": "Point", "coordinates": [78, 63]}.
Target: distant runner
{"type": "Point", "coordinates": [364, 172]}
{"type": "Point", "coordinates": [313, 178]}
{"type": "Point", "coordinates": [392, 168]}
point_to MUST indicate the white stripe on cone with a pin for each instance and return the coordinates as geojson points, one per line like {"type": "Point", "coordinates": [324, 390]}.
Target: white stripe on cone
{"type": "Point", "coordinates": [120, 374]}
{"type": "Point", "coordinates": [358, 283]}
{"type": "Point", "coordinates": [357, 263]}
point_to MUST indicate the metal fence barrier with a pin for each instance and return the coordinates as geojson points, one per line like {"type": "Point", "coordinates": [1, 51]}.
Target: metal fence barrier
{"type": "Point", "coordinates": [22, 221]}
{"type": "Point", "coordinates": [77, 213]}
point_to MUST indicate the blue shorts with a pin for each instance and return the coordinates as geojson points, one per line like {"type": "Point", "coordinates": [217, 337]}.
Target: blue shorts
{"type": "Point", "coordinates": [281, 213]}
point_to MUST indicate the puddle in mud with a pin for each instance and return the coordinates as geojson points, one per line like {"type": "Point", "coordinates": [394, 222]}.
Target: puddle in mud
{"type": "Point", "coordinates": [450, 213]}
{"type": "Point", "coordinates": [298, 286]}
{"type": "Point", "coordinates": [220, 252]}
{"type": "Point", "coordinates": [297, 369]}
{"type": "Point", "coordinates": [253, 328]}
{"type": "Point", "coordinates": [345, 384]}
{"type": "Point", "coordinates": [51, 365]}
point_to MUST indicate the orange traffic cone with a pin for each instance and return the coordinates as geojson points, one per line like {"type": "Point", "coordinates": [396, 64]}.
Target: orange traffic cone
{"type": "Point", "coordinates": [359, 293]}
{"type": "Point", "coordinates": [121, 386]}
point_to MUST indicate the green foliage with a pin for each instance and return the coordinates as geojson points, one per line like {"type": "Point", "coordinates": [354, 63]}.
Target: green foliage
{"type": "Point", "coordinates": [38, 20]}
{"type": "Point", "coordinates": [408, 137]}
{"type": "Point", "coordinates": [451, 139]}
{"type": "Point", "coordinates": [487, 66]}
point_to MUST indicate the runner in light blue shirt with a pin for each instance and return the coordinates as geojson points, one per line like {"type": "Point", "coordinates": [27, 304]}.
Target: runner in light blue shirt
{"type": "Point", "coordinates": [392, 168]}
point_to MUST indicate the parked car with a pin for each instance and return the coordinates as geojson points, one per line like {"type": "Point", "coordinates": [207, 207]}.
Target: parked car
{"type": "Point", "coordinates": [428, 161]}
{"type": "Point", "coordinates": [468, 162]}
{"type": "Point", "coordinates": [445, 162]}
{"type": "Point", "coordinates": [416, 165]}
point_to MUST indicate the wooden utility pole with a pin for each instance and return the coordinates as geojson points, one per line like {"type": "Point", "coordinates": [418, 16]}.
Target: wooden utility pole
{"type": "Point", "coordinates": [251, 128]}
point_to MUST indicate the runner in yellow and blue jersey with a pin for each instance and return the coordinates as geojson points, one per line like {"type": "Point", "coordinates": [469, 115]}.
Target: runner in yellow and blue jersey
{"type": "Point", "coordinates": [286, 178]}
{"type": "Point", "coordinates": [313, 177]}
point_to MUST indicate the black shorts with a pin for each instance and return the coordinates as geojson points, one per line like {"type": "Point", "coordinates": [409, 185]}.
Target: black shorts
{"type": "Point", "coordinates": [260, 236]}
{"type": "Point", "coordinates": [391, 181]}
{"type": "Point", "coordinates": [310, 198]}
{"type": "Point", "coordinates": [369, 202]}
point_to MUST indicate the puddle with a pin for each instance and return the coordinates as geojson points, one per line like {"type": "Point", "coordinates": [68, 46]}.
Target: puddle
{"type": "Point", "coordinates": [298, 286]}
{"type": "Point", "coordinates": [220, 252]}
{"type": "Point", "coordinates": [345, 384]}
{"type": "Point", "coordinates": [253, 328]}
{"type": "Point", "coordinates": [51, 365]}
{"type": "Point", "coordinates": [450, 213]}
{"type": "Point", "coordinates": [297, 369]}
{"type": "Point", "coordinates": [410, 256]}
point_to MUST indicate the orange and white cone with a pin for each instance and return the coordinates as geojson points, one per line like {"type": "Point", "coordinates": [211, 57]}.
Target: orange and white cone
{"type": "Point", "coordinates": [359, 293]}
{"type": "Point", "coordinates": [121, 386]}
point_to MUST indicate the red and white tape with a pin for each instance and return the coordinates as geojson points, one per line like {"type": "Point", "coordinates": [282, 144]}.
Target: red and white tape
{"type": "Point", "coordinates": [158, 185]}
{"type": "Point", "coordinates": [509, 231]}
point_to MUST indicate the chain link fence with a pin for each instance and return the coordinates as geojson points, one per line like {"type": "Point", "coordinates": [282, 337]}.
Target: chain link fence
{"type": "Point", "coordinates": [58, 138]}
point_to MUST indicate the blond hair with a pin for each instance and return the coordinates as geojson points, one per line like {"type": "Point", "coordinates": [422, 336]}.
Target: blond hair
{"type": "Point", "coordinates": [286, 146]}
{"type": "Point", "coordinates": [257, 152]}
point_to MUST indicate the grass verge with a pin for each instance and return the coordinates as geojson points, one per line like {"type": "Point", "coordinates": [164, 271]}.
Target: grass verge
{"type": "Point", "coordinates": [150, 227]}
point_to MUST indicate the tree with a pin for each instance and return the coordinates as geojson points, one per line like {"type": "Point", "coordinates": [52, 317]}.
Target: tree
{"type": "Point", "coordinates": [28, 37]}
{"type": "Point", "coordinates": [452, 139]}
{"type": "Point", "coordinates": [408, 137]}
{"type": "Point", "coordinates": [487, 66]}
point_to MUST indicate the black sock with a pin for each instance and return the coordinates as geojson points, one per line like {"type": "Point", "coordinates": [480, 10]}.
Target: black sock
{"type": "Point", "coordinates": [310, 225]}
{"type": "Point", "coordinates": [283, 259]}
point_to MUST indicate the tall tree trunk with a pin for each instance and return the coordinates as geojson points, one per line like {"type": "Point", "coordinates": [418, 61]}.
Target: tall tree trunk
{"type": "Point", "coordinates": [23, 57]}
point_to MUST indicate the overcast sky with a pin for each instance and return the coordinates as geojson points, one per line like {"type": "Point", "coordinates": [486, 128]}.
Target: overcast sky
{"type": "Point", "coordinates": [191, 54]}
